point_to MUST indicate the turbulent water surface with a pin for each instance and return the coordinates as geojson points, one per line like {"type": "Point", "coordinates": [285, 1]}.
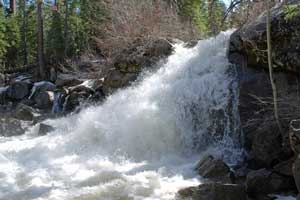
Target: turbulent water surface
{"type": "Point", "coordinates": [142, 143]}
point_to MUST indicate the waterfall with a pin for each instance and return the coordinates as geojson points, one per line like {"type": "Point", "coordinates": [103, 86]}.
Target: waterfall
{"type": "Point", "coordinates": [141, 143]}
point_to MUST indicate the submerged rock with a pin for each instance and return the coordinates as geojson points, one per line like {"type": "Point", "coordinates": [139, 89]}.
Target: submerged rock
{"type": "Point", "coordinates": [44, 129]}
{"type": "Point", "coordinates": [213, 191]}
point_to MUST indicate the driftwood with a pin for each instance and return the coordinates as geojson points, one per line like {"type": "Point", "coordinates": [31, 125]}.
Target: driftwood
{"type": "Point", "coordinates": [24, 68]}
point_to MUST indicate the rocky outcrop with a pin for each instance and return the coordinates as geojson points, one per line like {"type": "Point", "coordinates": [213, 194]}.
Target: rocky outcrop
{"type": "Point", "coordinates": [262, 181]}
{"type": "Point", "coordinates": [130, 61]}
{"type": "Point", "coordinates": [266, 143]}
{"type": "Point", "coordinates": [213, 191]}
{"type": "Point", "coordinates": [249, 43]}
{"type": "Point", "coordinates": [269, 153]}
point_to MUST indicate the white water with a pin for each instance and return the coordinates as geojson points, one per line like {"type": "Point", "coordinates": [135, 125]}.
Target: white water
{"type": "Point", "coordinates": [142, 143]}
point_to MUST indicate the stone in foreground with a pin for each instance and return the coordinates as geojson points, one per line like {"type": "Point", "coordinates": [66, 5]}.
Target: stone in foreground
{"type": "Point", "coordinates": [213, 191]}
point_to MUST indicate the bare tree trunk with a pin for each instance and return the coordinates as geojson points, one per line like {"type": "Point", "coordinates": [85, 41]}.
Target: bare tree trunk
{"type": "Point", "coordinates": [42, 71]}
{"type": "Point", "coordinates": [66, 36]}
{"type": "Point", "coordinates": [273, 84]}
{"type": "Point", "coordinates": [12, 6]}
{"type": "Point", "coordinates": [24, 32]}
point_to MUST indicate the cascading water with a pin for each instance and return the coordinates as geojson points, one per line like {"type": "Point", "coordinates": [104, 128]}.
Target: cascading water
{"type": "Point", "coordinates": [141, 143]}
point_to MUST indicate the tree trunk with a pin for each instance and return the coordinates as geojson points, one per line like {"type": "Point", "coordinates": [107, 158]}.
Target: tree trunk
{"type": "Point", "coordinates": [24, 32]}
{"type": "Point", "coordinates": [270, 64]}
{"type": "Point", "coordinates": [211, 17]}
{"type": "Point", "coordinates": [66, 35]}
{"type": "Point", "coordinates": [42, 70]}
{"type": "Point", "coordinates": [12, 6]}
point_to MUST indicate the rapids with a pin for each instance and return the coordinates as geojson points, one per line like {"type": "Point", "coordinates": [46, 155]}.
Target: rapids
{"type": "Point", "coordinates": [141, 143]}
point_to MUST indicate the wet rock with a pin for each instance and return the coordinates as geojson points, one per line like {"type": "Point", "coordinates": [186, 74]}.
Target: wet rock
{"type": "Point", "coordinates": [42, 94]}
{"type": "Point", "coordinates": [77, 95]}
{"type": "Point", "coordinates": [44, 99]}
{"type": "Point", "coordinates": [11, 127]}
{"type": "Point", "coordinates": [44, 129]}
{"type": "Point", "coordinates": [116, 80]}
{"type": "Point", "coordinates": [266, 182]}
{"type": "Point", "coordinates": [81, 89]}
{"type": "Point", "coordinates": [40, 87]}
{"type": "Point", "coordinates": [24, 113]}
{"type": "Point", "coordinates": [213, 168]}
{"type": "Point", "coordinates": [213, 191]}
{"type": "Point", "coordinates": [19, 90]}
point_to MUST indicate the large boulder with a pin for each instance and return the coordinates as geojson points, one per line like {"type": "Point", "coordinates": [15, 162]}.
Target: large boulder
{"type": "Point", "coordinates": [19, 90]}
{"type": "Point", "coordinates": [42, 86]}
{"type": "Point", "coordinates": [213, 168]}
{"type": "Point", "coordinates": [264, 181]}
{"type": "Point", "coordinates": [250, 43]}
{"type": "Point", "coordinates": [44, 99]}
{"type": "Point", "coordinates": [266, 143]}
{"type": "Point", "coordinates": [43, 94]}
{"type": "Point", "coordinates": [213, 191]}
{"type": "Point", "coordinates": [266, 146]}
{"type": "Point", "coordinates": [23, 112]}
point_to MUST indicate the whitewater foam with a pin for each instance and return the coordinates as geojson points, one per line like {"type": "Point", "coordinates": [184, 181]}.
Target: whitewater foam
{"type": "Point", "coordinates": [141, 143]}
